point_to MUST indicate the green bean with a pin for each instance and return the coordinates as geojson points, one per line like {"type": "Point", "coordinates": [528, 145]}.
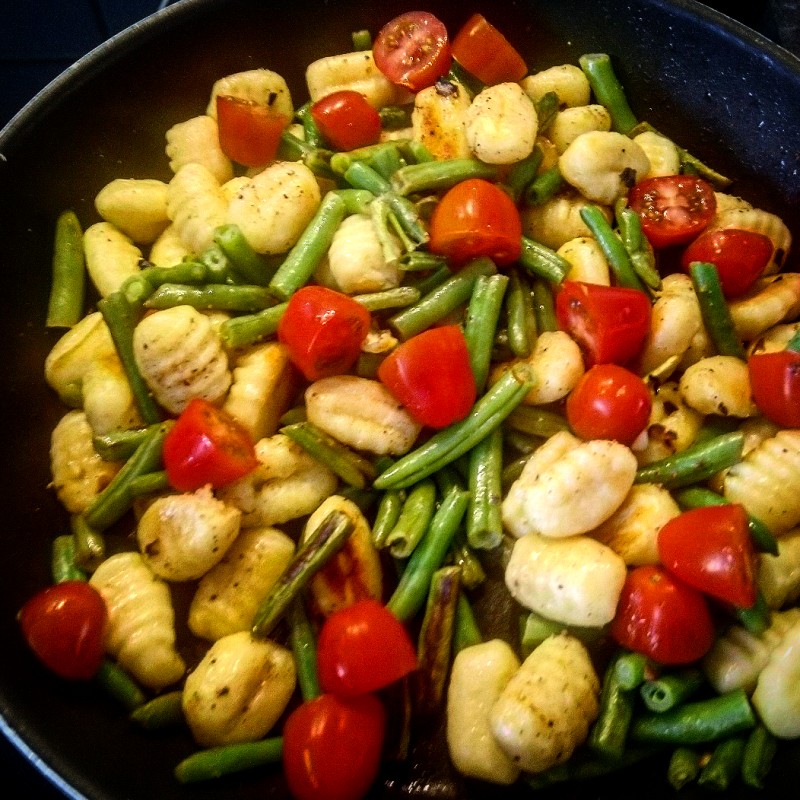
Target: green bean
{"type": "Point", "coordinates": [150, 483]}
{"type": "Point", "coordinates": [324, 542]}
{"type": "Point", "coordinates": [245, 261]}
{"type": "Point", "coordinates": [387, 162]}
{"type": "Point", "coordinates": [311, 132]}
{"type": "Point", "coordinates": [164, 711]}
{"type": "Point", "coordinates": [304, 648]}
{"type": "Point", "coordinates": [544, 186]}
{"type": "Point", "coordinates": [118, 685]}
{"type": "Point", "coordinates": [397, 297]}
{"type": "Point", "coordinates": [609, 732]}
{"type": "Point", "coordinates": [317, 159]}
{"type": "Point", "coordinates": [522, 174]}
{"type": "Point", "coordinates": [483, 313]}
{"type": "Point", "coordinates": [356, 201]}
{"type": "Point", "coordinates": [434, 176]}
{"type": "Point", "coordinates": [351, 467]}
{"type": "Point", "coordinates": [115, 500]}
{"type": "Point", "coordinates": [699, 722]}
{"type": "Point", "coordinates": [422, 261]}
{"type": "Point", "coordinates": [441, 301]}
{"type": "Point", "coordinates": [363, 498]}
{"type": "Point", "coordinates": [723, 766]}
{"type": "Point", "coordinates": [412, 589]}
{"type": "Point", "coordinates": [414, 519]}
{"type": "Point", "coordinates": [395, 118]}
{"type": "Point", "coordinates": [536, 421]}
{"type": "Point", "coordinates": [714, 309]}
{"type": "Point", "coordinates": [756, 618]}
{"type": "Point", "coordinates": [216, 265]}
{"type": "Point", "coordinates": [436, 278]}
{"type": "Point", "coordinates": [684, 767]}
{"type": "Point", "coordinates": [794, 343]}
{"type": "Point", "coordinates": [192, 272]}
{"type": "Point", "coordinates": [250, 328]}
{"type": "Point", "coordinates": [462, 555]}
{"type": "Point", "coordinates": [452, 442]}
{"type": "Point", "coordinates": [466, 632]}
{"type": "Point", "coordinates": [631, 669]}
{"type": "Point", "coordinates": [484, 522]}
{"type": "Point", "coordinates": [587, 766]}
{"type": "Point", "coordinates": [521, 320]}
{"type": "Point", "coordinates": [62, 560]}
{"type": "Point", "coordinates": [386, 517]}
{"type": "Point", "coordinates": [542, 261]}
{"type": "Point", "coordinates": [546, 110]}
{"type": "Point", "coordinates": [608, 90]}
{"type": "Point", "coordinates": [119, 445]}
{"type": "Point", "coordinates": [544, 307]}
{"type": "Point", "coordinates": [90, 546]}
{"type": "Point", "coordinates": [367, 178]}
{"type": "Point", "coordinates": [696, 463]}
{"type": "Point", "coordinates": [671, 689]}
{"type": "Point", "coordinates": [614, 250]}
{"type": "Point", "coordinates": [759, 750]}
{"type": "Point", "coordinates": [213, 296]}
{"type": "Point", "coordinates": [459, 75]}
{"type": "Point", "coordinates": [637, 246]}
{"type": "Point", "coordinates": [65, 303]}
{"type": "Point", "coordinates": [229, 759]}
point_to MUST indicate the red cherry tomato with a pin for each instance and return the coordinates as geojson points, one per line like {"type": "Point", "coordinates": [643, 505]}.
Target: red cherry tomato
{"type": "Point", "coordinates": [363, 648]}
{"type": "Point", "coordinates": [711, 549]}
{"type": "Point", "coordinates": [609, 402]}
{"type": "Point", "coordinates": [662, 617]}
{"type": "Point", "coordinates": [483, 51]}
{"type": "Point", "coordinates": [323, 330]}
{"type": "Point", "coordinates": [249, 133]}
{"type": "Point", "coordinates": [65, 626]}
{"type": "Point", "coordinates": [346, 120]}
{"type": "Point", "coordinates": [674, 209]}
{"type": "Point", "coordinates": [775, 383]}
{"type": "Point", "coordinates": [332, 747]}
{"type": "Point", "coordinates": [476, 218]}
{"type": "Point", "coordinates": [739, 256]}
{"type": "Point", "coordinates": [413, 50]}
{"type": "Point", "coordinates": [207, 445]}
{"type": "Point", "coordinates": [610, 323]}
{"type": "Point", "coordinates": [430, 374]}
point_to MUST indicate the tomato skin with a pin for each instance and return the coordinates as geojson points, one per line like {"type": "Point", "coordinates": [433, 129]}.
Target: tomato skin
{"type": "Point", "coordinates": [332, 747]}
{"type": "Point", "coordinates": [662, 617]}
{"type": "Point", "coordinates": [775, 383]}
{"type": "Point", "coordinates": [323, 330]}
{"type": "Point", "coordinates": [476, 218]}
{"type": "Point", "coordinates": [206, 445]}
{"type": "Point", "coordinates": [363, 648]}
{"type": "Point", "coordinates": [711, 549]}
{"type": "Point", "coordinates": [740, 257]}
{"type": "Point", "coordinates": [65, 626]}
{"type": "Point", "coordinates": [346, 120]}
{"type": "Point", "coordinates": [435, 397]}
{"type": "Point", "coordinates": [249, 133]}
{"type": "Point", "coordinates": [609, 323]}
{"type": "Point", "coordinates": [674, 209]}
{"type": "Point", "coordinates": [609, 402]}
{"type": "Point", "coordinates": [413, 50]}
{"type": "Point", "coordinates": [484, 52]}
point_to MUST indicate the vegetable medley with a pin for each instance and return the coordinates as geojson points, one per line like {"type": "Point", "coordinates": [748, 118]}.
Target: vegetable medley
{"type": "Point", "coordinates": [448, 310]}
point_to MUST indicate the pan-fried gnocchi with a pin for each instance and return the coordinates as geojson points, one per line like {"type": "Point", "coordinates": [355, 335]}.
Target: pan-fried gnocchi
{"type": "Point", "coordinates": [577, 518]}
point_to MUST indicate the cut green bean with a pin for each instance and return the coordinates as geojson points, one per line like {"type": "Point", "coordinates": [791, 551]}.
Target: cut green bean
{"type": "Point", "coordinates": [542, 261]}
{"type": "Point", "coordinates": [480, 326]}
{"type": "Point", "coordinates": [251, 328]}
{"type": "Point", "coordinates": [214, 296]}
{"type": "Point", "coordinates": [544, 186]}
{"type": "Point", "coordinates": [119, 445]}
{"type": "Point", "coordinates": [387, 162]}
{"type": "Point", "coordinates": [608, 90]}
{"type": "Point", "coordinates": [465, 79]}
{"type": "Point", "coordinates": [714, 309]}
{"type": "Point", "coordinates": [544, 307]}
{"type": "Point", "coordinates": [522, 174]}
{"type": "Point", "coordinates": [362, 157]}
{"type": "Point", "coordinates": [304, 648]}
{"type": "Point", "coordinates": [683, 768]}
{"type": "Point", "coordinates": [229, 759]}
{"type": "Point", "coordinates": [414, 519]}
{"type": "Point", "coordinates": [612, 247]}
{"type": "Point", "coordinates": [395, 118]}
{"type": "Point", "coordinates": [759, 750]}
{"type": "Point", "coordinates": [421, 261]}
{"type": "Point", "coordinates": [65, 303]}
{"type": "Point", "coordinates": [386, 517]}
{"type": "Point", "coordinates": [546, 110]}
{"type": "Point", "coordinates": [636, 245]}
{"type": "Point", "coordinates": [484, 520]}
{"type": "Point", "coordinates": [724, 765]}
{"type": "Point", "coordinates": [462, 555]}
{"type": "Point", "coordinates": [437, 276]}
{"type": "Point", "coordinates": [587, 766]}
{"type": "Point", "coordinates": [695, 464]}
{"type": "Point", "coordinates": [118, 685]}
{"type": "Point", "coordinates": [434, 176]}
{"type": "Point", "coordinates": [467, 632]}
{"type": "Point", "coordinates": [311, 132]}
{"type": "Point", "coordinates": [164, 711]}
{"type": "Point", "coordinates": [150, 483]}
{"type": "Point", "coordinates": [536, 421]}
{"type": "Point", "coordinates": [399, 297]}
{"type": "Point", "coordinates": [794, 343]}
{"type": "Point", "coordinates": [317, 159]}
{"type": "Point", "coordinates": [356, 201]}
{"type": "Point", "coordinates": [609, 733]}
{"type": "Point", "coordinates": [90, 546]}
{"type": "Point", "coordinates": [520, 317]}
{"type": "Point", "coordinates": [756, 618]}
{"type": "Point", "coordinates": [671, 689]}
{"type": "Point", "coordinates": [63, 566]}
{"type": "Point", "coordinates": [250, 265]}
{"type": "Point", "coordinates": [631, 670]}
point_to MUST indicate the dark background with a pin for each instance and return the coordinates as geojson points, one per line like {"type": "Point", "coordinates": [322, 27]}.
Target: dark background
{"type": "Point", "coordinates": [40, 38]}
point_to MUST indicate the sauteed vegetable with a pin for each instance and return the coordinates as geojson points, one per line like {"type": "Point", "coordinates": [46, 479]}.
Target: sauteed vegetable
{"type": "Point", "coordinates": [448, 315]}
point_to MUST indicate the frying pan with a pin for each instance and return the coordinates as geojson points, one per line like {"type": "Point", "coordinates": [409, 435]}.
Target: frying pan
{"type": "Point", "coordinates": [725, 93]}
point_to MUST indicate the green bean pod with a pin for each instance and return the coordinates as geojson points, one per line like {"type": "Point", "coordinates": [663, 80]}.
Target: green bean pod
{"type": "Point", "coordinates": [229, 759]}
{"type": "Point", "coordinates": [65, 303]}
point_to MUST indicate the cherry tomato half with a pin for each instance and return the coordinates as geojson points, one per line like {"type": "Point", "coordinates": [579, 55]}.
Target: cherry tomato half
{"type": "Point", "coordinates": [483, 51]}
{"type": "Point", "coordinates": [430, 374]}
{"type": "Point", "coordinates": [346, 120]}
{"type": "Point", "coordinates": [609, 323]}
{"type": "Point", "coordinates": [476, 218]}
{"type": "Point", "coordinates": [775, 383]}
{"type": "Point", "coordinates": [363, 648]}
{"type": "Point", "coordinates": [249, 133]}
{"type": "Point", "coordinates": [609, 402]}
{"type": "Point", "coordinates": [662, 617]}
{"type": "Point", "coordinates": [740, 257]}
{"type": "Point", "coordinates": [207, 445]}
{"type": "Point", "coordinates": [65, 626]}
{"type": "Point", "coordinates": [711, 549]}
{"type": "Point", "coordinates": [413, 50]}
{"type": "Point", "coordinates": [673, 208]}
{"type": "Point", "coordinates": [332, 747]}
{"type": "Point", "coordinates": [323, 330]}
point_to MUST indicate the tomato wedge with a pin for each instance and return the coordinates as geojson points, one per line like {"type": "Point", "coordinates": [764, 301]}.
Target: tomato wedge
{"type": "Point", "coordinates": [431, 375]}
{"type": "Point", "coordinates": [740, 257]}
{"type": "Point", "coordinates": [476, 218]}
{"type": "Point", "coordinates": [609, 323]}
{"type": "Point", "coordinates": [346, 120]}
{"type": "Point", "coordinates": [363, 648]}
{"type": "Point", "coordinates": [207, 446]}
{"type": "Point", "coordinates": [662, 617]}
{"type": "Point", "coordinates": [249, 133]}
{"type": "Point", "coordinates": [674, 209]}
{"type": "Point", "coordinates": [413, 50]}
{"type": "Point", "coordinates": [775, 383]}
{"type": "Point", "coordinates": [323, 330]}
{"type": "Point", "coordinates": [65, 626]}
{"type": "Point", "coordinates": [711, 549]}
{"type": "Point", "coordinates": [483, 51]}
{"type": "Point", "coordinates": [609, 402]}
{"type": "Point", "coordinates": [332, 747]}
